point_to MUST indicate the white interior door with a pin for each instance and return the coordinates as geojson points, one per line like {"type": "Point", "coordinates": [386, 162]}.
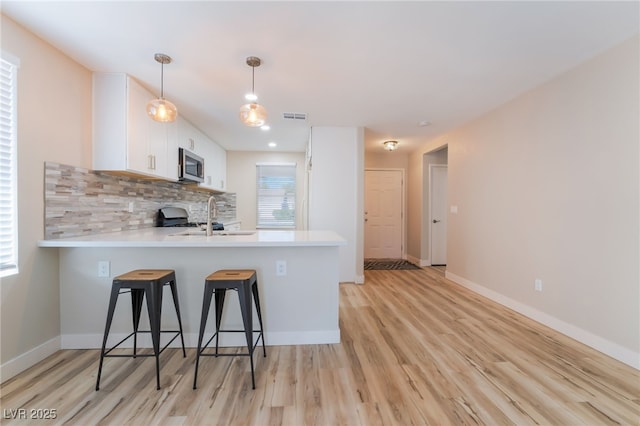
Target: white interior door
{"type": "Point", "coordinates": [438, 214]}
{"type": "Point", "coordinates": [383, 214]}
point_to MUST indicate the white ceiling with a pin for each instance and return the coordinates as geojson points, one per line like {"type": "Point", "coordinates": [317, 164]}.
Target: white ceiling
{"type": "Point", "coordinates": [384, 66]}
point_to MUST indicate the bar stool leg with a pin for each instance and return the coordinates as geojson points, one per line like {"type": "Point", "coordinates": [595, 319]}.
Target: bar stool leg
{"type": "Point", "coordinates": [247, 318]}
{"type": "Point", "coordinates": [256, 300]}
{"type": "Point", "coordinates": [220, 295]}
{"type": "Point", "coordinates": [137, 296]}
{"type": "Point", "coordinates": [115, 291]}
{"type": "Point", "coordinates": [206, 305]}
{"type": "Point", "coordinates": [154, 306]}
{"type": "Point", "coordinates": [174, 293]}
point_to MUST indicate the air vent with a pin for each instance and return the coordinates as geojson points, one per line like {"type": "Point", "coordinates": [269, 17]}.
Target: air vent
{"type": "Point", "coordinates": [298, 116]}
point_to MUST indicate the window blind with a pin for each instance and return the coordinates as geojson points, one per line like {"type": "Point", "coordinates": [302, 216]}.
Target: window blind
{"type": "Point", "coordinates": [8, 166]}
{"type": "Point", "coordinates": [276, 195]}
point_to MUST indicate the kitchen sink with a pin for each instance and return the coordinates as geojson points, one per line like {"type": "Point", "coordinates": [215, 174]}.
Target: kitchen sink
{"type": "Point", "coordinates": [186, 233]}
{"type": "Point", "coordinates": [203, 233]}
{"type": "Point", "coordinates": [234, 232]}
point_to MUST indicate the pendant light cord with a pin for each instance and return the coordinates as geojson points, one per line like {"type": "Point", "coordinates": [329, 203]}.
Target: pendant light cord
{"type": "Point", "coordinates": [162, 80]}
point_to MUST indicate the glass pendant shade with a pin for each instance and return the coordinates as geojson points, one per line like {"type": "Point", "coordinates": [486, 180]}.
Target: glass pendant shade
{"type": "Point", "coordinates": [162, 110]}
{"type": "Point", "coordinates": [253, 114]}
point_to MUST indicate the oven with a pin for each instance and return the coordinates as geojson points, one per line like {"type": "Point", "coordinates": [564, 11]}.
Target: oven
{"type": "Point", "coordinates": [178, 217]}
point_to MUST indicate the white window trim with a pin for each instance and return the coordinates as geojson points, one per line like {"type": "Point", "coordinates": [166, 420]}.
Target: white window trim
{"type": "Point", "coordinates": [12, 267]}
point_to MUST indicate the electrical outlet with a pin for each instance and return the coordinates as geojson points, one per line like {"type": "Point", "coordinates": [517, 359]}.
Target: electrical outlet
{"type": "Point", "coordinates": [131, 206]}
{"type": "Point", "coordinates": [103, 268]}
{"type": "Point", "coordinates": [281, 268]}
{"type": "Point", "coordinates": [538, 285]}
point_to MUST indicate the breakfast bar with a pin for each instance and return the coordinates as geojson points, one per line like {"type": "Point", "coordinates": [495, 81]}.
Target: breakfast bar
{"type": "Point", "coordinates": [298, 278]}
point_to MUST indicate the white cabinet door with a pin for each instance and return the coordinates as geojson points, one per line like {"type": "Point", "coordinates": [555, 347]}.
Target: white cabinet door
{"type": "Point", "coordinates": [219, 173]}
{"type": "Point", "coordinates": [208, 153]}
{"type": "Point", "coordinates": [172, 151]}
{"type": "Point", "coordinates": [148, 139]}
{"type": "Point", "coordinates": [186, 135]}
{"type": "Point", "coordinates": [215, 166]}
{"type": "Point", "coordinates": [137, 140]}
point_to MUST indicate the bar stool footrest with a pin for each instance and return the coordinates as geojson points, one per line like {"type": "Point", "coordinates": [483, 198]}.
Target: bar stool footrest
{"type": "Point", "coordinates": [206, 346]}
{"type": "Point", "coordinates": [106, 352]}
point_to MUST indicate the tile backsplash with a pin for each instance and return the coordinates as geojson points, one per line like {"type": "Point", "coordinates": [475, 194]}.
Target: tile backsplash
{"type": "Point", "coordinates": [79, 201]}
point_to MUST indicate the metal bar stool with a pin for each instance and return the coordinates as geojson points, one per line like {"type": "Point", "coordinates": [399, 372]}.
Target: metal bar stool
{"type": "Point", "coordinates": [141, 282]}
{"type": "Point", "coordinates": [245, 282]}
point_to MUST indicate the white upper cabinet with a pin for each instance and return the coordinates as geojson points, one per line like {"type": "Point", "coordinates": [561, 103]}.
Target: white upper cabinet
{"type": "Point", "coordinates": [215, 167]}
{"type": "Point", "coordinates": [189, 137]}
{"type": "Point", "coordinates": [125, 139]}
{"type": "Point", "coordinates": [215, 157]}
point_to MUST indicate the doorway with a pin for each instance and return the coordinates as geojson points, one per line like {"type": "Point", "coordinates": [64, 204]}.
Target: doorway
{"type": "Point", "coordinates": [384, 214]}
{"type": "Point", "coordinates": [438, 213]}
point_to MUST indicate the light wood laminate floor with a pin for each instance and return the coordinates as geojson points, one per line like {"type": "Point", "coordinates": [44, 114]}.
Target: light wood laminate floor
{"type": "Point", "coordinates": [416, 349]}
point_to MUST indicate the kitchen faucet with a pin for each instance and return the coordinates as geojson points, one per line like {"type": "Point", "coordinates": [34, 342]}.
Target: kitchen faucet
{"type": "Point", "coordinates": [211, 208]}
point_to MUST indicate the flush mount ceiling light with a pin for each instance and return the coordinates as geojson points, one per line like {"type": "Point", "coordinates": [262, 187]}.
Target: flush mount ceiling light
{"type": "Point", "coordinates": [390, 145]}
{"type": "Point", "coordinates": [161, 109]}
{"type": "Point", "coordinates": [253, 114]}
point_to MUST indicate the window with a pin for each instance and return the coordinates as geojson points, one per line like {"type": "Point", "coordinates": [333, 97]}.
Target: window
{"type": "Point", "coordinates": [8, 166]}
{"type": "Point", "coordinates": [276, 195]}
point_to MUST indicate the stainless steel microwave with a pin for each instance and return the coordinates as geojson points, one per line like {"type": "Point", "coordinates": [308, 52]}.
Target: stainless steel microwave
{"type": "Point", "coordinates": [190, 166]}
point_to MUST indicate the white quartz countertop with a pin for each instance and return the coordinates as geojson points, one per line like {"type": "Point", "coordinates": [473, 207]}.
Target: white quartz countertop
{"type": "Point", "coordinates": [191, 237]}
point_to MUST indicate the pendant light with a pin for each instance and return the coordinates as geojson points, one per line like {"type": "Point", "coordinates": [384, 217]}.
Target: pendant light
{"type": "Point", "coordinates": [253, 114]}
{"type": "Point", "coordinates": [160, 109]}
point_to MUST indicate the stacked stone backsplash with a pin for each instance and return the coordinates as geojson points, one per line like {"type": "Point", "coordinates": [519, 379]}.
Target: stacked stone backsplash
{"type": "Point", "coordinates": [79, 202]}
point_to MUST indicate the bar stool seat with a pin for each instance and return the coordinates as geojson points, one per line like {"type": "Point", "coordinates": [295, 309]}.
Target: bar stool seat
{"type": "Point", "coordinates": [141, 283]}
{"type": "Point", "coordinates": [245, 282]}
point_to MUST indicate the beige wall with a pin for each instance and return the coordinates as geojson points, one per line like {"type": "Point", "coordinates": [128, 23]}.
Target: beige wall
{"type": "Point", "coordinates": [386, 160]}
{"type": "Point", "coordinates": [241, 179]}
{"type": "Point", "coordinates": [54, 124]}
{"type": "Point", "coordinates": [547, 187]}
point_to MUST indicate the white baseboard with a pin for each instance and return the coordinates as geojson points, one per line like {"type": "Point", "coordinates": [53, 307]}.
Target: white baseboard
{"type": "Point", "coordinates": [359, 279]}
{"type": "Point", "coordinates": [94, 341]}
{"type": "Point", "coordinates": [418, 261]}
{"type": "Point", "coordinates": [607, 347]}
{"type": "Point", "coordinates": [28, 359]}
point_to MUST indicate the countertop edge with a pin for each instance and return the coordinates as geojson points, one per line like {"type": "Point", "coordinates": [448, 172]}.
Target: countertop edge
{"type": "Point", "coordinates": [163, 238]}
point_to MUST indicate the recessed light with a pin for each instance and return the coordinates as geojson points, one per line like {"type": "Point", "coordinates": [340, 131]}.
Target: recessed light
{"type": "Point", "coordinates": [272, 144]}
{"type": "Point", "coordinates": [265, 127]}
{"type": "Point", "coordinates": [424, 123]}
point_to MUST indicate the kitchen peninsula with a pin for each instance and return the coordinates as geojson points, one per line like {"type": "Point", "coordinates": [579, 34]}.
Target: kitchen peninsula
{"type": "Point", "coordinates": [298, 273]}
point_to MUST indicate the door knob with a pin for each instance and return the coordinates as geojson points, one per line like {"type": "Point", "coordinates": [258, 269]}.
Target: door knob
{"type": "Point", "coordinates": [435, 221]}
